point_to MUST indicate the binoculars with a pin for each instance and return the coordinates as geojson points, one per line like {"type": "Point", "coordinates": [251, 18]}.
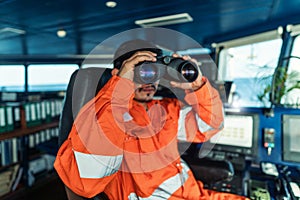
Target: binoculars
{"type": "Point", "coordinates": [168, 67]}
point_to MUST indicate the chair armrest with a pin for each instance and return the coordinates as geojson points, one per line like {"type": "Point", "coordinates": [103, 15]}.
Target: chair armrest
{"type": "Point", "coordinates": [210, 171]}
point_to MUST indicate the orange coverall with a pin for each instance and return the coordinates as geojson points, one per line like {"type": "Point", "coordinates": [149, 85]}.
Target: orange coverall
{"type": "Point", "coordinates": [118, 147]}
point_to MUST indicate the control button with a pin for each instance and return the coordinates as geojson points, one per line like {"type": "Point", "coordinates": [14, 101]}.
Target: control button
{"type": "Point", "coordinates": [295, 189]}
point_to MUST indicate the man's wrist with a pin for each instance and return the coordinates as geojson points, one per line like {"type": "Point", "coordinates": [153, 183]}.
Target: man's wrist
{"type": "Point", "coordinates": [197, 85]}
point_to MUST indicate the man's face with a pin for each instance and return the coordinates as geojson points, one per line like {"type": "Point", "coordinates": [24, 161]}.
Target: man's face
{"type": "Point", "coordinates": [145, 92]}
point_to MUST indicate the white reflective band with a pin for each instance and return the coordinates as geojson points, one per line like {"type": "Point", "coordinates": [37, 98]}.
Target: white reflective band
{"type": "Point", "coordinates": [181, 132]}
{"type": "Point", "coordinates": [97, 166]}
{"type": "Point", "coordinates": [203, 127]}
{"type": "Point", "coordinates": [127, 117]}
{"type": "Point", "coordinates": [167, 188]}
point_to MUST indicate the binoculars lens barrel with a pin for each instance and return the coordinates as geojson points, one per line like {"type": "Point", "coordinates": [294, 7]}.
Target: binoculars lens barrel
{"type": "Point", "coordinates": [189, 72]}
{"type": "Point", "coordinates": [147, 73]}
{"type": "Point", "coordinates": [175, 69]}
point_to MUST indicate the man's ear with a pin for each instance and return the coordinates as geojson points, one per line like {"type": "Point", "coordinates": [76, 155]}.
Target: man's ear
{"type": "Point", "coordinates": [115, 71]}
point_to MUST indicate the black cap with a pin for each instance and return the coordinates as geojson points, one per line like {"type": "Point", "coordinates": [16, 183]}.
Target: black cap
{"type": "Point", "coordinates": [128, 48]}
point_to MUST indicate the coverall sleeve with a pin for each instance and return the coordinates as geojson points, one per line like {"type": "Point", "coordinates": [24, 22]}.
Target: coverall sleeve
{"type": "Point", "coordinates": [204, 115]}
{"type": "Point", "coordinates": [92, 155]}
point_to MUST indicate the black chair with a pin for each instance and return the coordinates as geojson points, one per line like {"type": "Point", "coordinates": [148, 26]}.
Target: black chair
{"type": "Point", "coordinates": [84, 84]}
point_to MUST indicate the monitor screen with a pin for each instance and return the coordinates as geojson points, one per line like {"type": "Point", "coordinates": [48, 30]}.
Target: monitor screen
{"type": "Point", "coordinates": [291, 137]}
{"type": "Point", "coordinates": [239, 134]}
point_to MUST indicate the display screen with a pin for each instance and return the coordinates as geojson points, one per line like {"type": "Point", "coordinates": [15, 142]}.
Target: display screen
{"type": "Point", "coordinates": [291, 138]}
{"type": "Point", "coordinates": [238, 131]}
{"type": "Point", "coordinates": [239, 135]}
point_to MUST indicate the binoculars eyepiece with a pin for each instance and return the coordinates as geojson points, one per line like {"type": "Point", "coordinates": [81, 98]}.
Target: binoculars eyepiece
{"type": "Point", "coordinates": [168, 67]}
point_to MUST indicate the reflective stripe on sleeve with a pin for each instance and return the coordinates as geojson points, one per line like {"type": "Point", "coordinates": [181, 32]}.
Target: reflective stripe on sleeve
{"type": "Point", "coordinates": [203, 127]}
{"type": "Point", "coordinates": [97, 166]}
{"type": "Point", "coordinates": [181, 133]}
{"type": "Point", "coordinates": [168, 187]}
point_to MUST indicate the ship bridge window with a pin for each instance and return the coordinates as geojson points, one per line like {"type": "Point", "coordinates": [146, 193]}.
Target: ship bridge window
{"type": "Point", "coordinates": [292, 98]}
{"type": "Point", "coordinates": [49, 77]}
{"type": "Point", "coordinates": [12, 78]}
{"type": "Point", "coordinates": [249, 63]}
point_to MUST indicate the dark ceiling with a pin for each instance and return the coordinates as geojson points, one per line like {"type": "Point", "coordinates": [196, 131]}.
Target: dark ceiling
{"type": "Point", "coordinates": [89, 22]}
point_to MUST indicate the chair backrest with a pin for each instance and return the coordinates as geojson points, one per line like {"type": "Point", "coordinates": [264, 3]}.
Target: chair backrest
{"type": "Point", "coordinates": [84, 84]}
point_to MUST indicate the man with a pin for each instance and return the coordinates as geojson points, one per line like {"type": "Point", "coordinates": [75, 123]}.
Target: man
{"type": "Point", "coordinates": [124, 142]}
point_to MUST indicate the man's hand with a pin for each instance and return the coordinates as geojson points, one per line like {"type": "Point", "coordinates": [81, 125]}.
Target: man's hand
{"type": "Point", "coordinates": [187, 86]}
{"type": "Point", "coordinates": [127, 69]}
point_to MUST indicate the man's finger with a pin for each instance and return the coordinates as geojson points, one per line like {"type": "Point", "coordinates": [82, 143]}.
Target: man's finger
{"type": "Point", "coordinates": [183, 86]}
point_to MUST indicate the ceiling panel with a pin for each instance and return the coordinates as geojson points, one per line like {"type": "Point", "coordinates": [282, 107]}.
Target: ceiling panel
{"type": "Point", "coordinates": [88, 23]}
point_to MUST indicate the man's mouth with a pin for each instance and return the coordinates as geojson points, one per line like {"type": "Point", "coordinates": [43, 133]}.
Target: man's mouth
{"type": "Point", "coordinates": [147, 88]}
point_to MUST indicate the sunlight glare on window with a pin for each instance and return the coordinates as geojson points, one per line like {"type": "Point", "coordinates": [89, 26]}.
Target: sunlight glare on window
{"type": "Point", "coordinates": [52, 77]}
{"type": "Point", "coordinates": [12, 78]}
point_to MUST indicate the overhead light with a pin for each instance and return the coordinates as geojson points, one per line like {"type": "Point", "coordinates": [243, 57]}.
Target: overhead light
{"type": "Point", "coordinates": [61, 33]}
{"type": "Point", "coordinates": [111, 4]}
{"type": "Point", "coordinates": [165, 20]}
{"type": "Point", "coordinates": [280, 30]}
